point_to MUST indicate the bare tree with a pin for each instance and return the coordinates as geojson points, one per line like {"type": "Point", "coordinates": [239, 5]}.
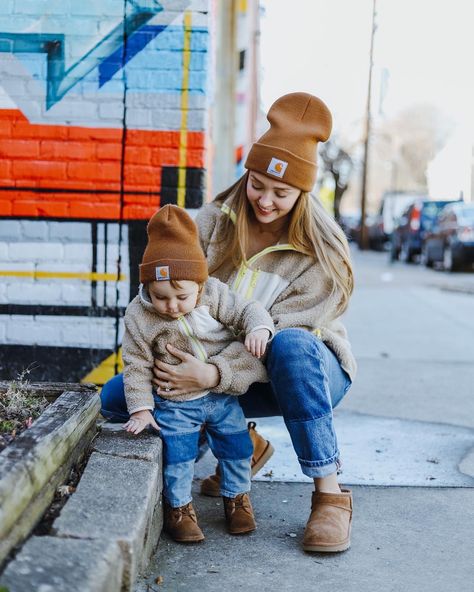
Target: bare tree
{"type": "Point", "coordinates": [339, 165]}
{"type": "Point", "coordinates": [409, 142]}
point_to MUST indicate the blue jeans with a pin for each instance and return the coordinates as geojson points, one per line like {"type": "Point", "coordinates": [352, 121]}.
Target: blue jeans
{"type": "Point", "coordinates": [228, 438]}
{"type": "Point", "coordinates": [306, 383]}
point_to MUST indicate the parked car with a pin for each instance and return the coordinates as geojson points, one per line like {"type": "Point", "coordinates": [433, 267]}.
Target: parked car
{"type": "Point", "coordinates": [375, 235]}
{"type": "Point", "coordinates": [411, 227]}
{"type": "Point", "coordinates": [393, 204]}
{"type": "Point", "coordinates": [451, 240]}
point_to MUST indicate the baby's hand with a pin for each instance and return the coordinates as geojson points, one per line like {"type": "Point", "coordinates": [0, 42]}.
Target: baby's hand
{"type": "Point", "coordinates": [139, 421]}
{"type": "Point", "coordinates": [256, 342]}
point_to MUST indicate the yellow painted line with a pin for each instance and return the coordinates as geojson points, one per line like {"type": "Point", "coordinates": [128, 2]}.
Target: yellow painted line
{"type": "Point", "coordinates": [41, 275]}
{"type": "Point", "coordinates": [106, 369]}
{"type": "Point", "coordinates": [183, 136]}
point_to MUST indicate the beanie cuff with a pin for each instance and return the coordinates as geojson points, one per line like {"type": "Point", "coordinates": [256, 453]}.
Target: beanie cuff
{"type": "Point", "coordinates": [174, 269]}
{"type": "Point", "coordinates": [299, 173]}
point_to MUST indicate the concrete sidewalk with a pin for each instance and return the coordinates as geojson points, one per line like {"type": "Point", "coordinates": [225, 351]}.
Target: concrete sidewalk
{"type": "Point", "coordinates": [406, 438]}
{"type": "Point", "coordinates": [404, 540]}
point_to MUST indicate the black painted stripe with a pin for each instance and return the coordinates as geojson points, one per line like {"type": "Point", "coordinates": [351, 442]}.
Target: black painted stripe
{"type": "Point", "coordinates": [66, 311]}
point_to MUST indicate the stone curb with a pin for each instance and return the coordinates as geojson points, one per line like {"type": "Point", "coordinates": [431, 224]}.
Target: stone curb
{"type": "Point", "coordinates": [117, 505]}
{"type": "Point", "coordinates": [50, 564]}
{"type": "Point", "coordinates": [35, 463]}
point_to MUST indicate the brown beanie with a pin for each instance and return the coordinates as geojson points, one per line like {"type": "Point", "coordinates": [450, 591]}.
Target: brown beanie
{"type": "Point", "coordinates": [288, 150]}
{"type": "Point", "coordinates": [173, 251]}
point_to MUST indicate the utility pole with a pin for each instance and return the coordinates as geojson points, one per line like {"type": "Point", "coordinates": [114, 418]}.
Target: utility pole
{"type": "Point", "coordinates": [363, 237]}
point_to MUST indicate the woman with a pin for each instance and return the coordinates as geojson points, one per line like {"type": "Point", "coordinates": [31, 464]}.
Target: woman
{"type": "Point", "coordinates": [270, 240]}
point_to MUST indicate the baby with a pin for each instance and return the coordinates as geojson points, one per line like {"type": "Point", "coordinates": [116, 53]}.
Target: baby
{"type": "Point", "coordinates": [179, 304]}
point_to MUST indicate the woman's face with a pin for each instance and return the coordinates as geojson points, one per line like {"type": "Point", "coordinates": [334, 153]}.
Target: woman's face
{"type": "Point", "coordinates": [270, 199]}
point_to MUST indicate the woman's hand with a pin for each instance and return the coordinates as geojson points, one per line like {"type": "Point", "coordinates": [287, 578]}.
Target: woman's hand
{"type": "Point", "coordinates": [191, 375]}
{"type": "Point", "coordinates": [139, 421]}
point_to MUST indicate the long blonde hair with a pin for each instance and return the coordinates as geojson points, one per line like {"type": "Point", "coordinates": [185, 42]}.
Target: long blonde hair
{"type": "Point", "coordinates": [312, 231]}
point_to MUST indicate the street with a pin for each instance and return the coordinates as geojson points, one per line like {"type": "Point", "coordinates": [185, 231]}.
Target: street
{"type": "Point", "coordinates": [404, 430]}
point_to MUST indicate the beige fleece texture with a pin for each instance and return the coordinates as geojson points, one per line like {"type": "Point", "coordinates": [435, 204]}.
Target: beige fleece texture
{"type": "Point", "coordinates": [147, 334]}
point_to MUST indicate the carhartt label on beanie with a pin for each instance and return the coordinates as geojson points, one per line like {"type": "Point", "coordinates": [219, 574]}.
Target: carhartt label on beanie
{"type": "Point", "coordinates": [173, 251]}
{"type": "Point", "coordinates": [288, 150]}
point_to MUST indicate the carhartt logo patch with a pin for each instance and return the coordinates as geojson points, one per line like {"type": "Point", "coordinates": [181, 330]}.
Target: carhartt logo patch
{"type": "Point", "coordinates": [277, 167]}
{"type": "Point", "coordinates": [162, 273]}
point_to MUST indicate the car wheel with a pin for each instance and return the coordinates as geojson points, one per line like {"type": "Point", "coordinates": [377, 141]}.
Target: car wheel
{"type": "Point", "coordinates": [449, 262]}
{"type": "Point", "coordinates": [405, 253]}
{"type": "Point", "coordinates": [393, 252]}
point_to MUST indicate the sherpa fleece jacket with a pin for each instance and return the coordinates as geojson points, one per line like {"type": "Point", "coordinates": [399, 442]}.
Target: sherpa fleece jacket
{"type": "Point", "coordinates": [203, 332]}
{"type": "Point", "coordinates": [292, 286]}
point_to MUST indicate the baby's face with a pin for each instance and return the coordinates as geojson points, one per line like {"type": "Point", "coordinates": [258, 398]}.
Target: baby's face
{"type": "Point", "coordinates": [172, 302]}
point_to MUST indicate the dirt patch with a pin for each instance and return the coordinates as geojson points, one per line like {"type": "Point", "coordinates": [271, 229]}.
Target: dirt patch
{"type": "Point", "coordinates": [18, 409]}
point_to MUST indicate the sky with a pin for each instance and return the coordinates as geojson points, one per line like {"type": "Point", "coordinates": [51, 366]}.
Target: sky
{"type": "Point", "coordinates": [423, 53]}
{"type": "Point", "coordinates": [322, 47]}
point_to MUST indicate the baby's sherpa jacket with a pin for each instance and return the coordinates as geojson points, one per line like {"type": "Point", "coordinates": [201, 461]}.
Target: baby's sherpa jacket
{"type": "Point", "coordinates": [204, 332]}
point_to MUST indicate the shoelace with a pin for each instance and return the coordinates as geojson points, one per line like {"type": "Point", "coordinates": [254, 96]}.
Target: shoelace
{"type": "Point", "coordinates": [239, 502]}
{"type": "Point", "coordinates": [179, 513]}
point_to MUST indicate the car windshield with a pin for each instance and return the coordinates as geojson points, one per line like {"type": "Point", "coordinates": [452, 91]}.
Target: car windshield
{"type": "Point", "coordinates": [430, 211]}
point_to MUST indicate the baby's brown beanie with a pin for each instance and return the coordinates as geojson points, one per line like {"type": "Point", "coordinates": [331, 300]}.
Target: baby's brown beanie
{"type": "Point", "coordinates": [288, 150]}
{"type": "Point", "coordinates": [173, 251]}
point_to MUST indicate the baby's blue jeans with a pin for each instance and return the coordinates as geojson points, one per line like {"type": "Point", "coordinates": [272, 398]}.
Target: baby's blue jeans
{"type": "Point", "coordinates": [227, 435]}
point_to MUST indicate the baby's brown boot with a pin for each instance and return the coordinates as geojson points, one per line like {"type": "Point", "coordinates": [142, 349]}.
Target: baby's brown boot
{"type": "Point", "coordinates": [239, 514]}
{"type": "Point", "coordinates": [181, 524]}
{"type": "Point", "coordinates": [329, 526]}
{"type": "Point", "coordinates": [262, 451]}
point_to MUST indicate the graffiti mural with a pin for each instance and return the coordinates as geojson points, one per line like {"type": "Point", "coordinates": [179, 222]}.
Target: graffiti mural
{"type": "Point", "coordinates": [103, 119]}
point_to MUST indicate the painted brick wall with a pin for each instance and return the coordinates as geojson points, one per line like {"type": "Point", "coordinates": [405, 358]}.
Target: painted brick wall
{"type": "Point", "coordinates": [104, 109]}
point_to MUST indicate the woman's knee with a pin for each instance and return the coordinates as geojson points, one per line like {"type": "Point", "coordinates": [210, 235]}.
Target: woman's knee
{"type": "Point", "coordinates": [293, 347]}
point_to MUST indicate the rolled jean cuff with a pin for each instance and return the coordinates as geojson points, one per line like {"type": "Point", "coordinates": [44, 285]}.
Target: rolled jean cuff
{"type": "Point", "coordinates": [320, 468]}
{"type": "Point", "coordinates": [227, 493]}
{"type": "Point", "coordinates": [174, 502]}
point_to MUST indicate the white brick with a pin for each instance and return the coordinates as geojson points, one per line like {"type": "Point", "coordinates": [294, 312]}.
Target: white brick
{"type": "Point", "coordinates": [60, 331]}
{"type": "Point", "coordinates": [33, 293]}
{"type": "Point", "coordinates": [139, 118]}
{"type": "Point", "coordinates": [26, 251]}
{"type": "Point", "coordinates": [65, 266]}
{"type": "Point", "coordinates": [3, 252]}
{"type": "Point", "coordinates": [70, 231]}
{"type": "Point", "coordinates": [77, 252]}
{"type": "Point", "coordinates": [18, 266]}
{"type": "Point", "coordinates": [78, 293]}
{"type": "Point", "coordinates": [111, 110]}
{"type": "Point", "coordinates": [3, 292]}
{"type": "Point", "coordinates": [30, 333]}
{"type": "Point", "coordinates": [10, 229]}
{"type": "Point", "coordinates": [34, 229]}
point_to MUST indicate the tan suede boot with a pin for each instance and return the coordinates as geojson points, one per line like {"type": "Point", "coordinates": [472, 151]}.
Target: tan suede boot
{"type": "Point", "coordinates": [262, 452]}
{"type": "Point", "coordinates": [181, 524]}
{"type": "Point", "coordinates": [329, 526]}
{"type": "Point", "coordinates": [239, 514]}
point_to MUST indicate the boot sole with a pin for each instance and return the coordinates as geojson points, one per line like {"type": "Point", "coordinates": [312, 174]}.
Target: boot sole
{"type": "Point", "coordinates": [267, 454]}
{"type": "Point", "coordinates": [328, 548]}
{"type": "Point", "coordinates": [238, 532]}
{"type": "Point", "coordinates": [186, 540]}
